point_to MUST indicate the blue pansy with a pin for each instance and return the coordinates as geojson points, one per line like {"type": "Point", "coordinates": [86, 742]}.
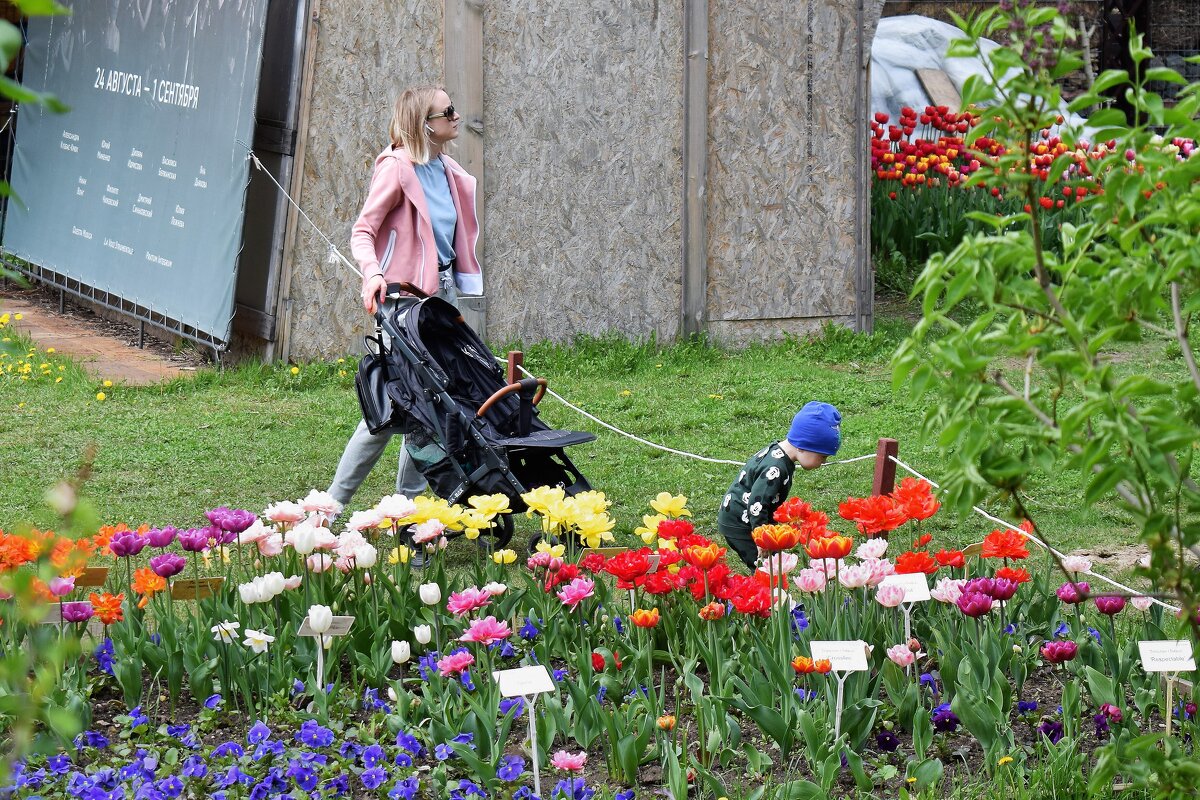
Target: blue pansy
{"type": "Point", "coordinates": [137, 719]}
{"type": "Point", "coordinates": [625, 795]}
{"type": "Point", "coordinates": [178, 731]}
{"type": "Point", "coordinates": [59, 764]}
{"type": "Point", "coordinates": [464, 738]}
{"type": "Point", "coordinates": [78, 784]}
{"type": "Point", "coordinates": [302, 775]}
{"type": "Point", "coordinates": [313, 735]}
{"type": "Point", "coordinates": [91, 739]}
{"type": "Point", "coordinates": [212, 702]}
{"type": "Point", "coordinates": [405, 789]}
{"type": "Point", "coordinates": [511, 768]}
{"type": "Point", "coordinates": [559, 674]}
{"type": "Point", "coordinates": [373, 778]}
{"type": "Point", "coordinates": [372, 756]}
{"type": "Point", "coordinates": [194, 767]}
{"type": "Point", "coordinates": [171, 786]}
{"type": "Point", "coordinates": [268, 748]}
{"type": "Point", "coordinates": [297, 687]}
{"type": "Point", "coordinates": [572, 789]}
{"type": "Point", "coordinates": [403, 760]}
{"type": "Point", "coordinates": [259, 732]}
{"type": "Point", "coordinates": [228, 749]}
{"type": "Point", "coordinates": [350, 750]}
{"type": "Point", "coordinates": [410, 743]}
{"type": "Point", "coordinates": [516, 705]}
{"type": "Point", "coordinates": [104, 656]}
{"type": "Point", "coordinates": [443, 751]}
{"type": "Point", "coordinates": [1062, 630]}
{"type": "Point", "coordinates": [1027, 706]}
{"type": "Point", "coordinates": [528, 630]}
{"type": "Point", "coordinates": [338, 786]}
{"type": "Point", "coordinates": [600, 693]}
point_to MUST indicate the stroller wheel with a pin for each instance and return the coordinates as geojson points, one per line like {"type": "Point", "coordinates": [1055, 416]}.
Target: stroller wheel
{"type": "Point", "coordinates": [499, 535]}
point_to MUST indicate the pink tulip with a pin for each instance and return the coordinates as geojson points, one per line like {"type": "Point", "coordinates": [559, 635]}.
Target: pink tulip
{"type": "Point", "coordinates": [466, 601]}
{"type": "Point", "coordinates": [485, 631]}
{"type": "Point", "coordinates": [974, 604]}
{"type": "Point", "coordinates": [1142, 603]}
{"type": "Point", "coordinates": [570, 762]}
{"type": "Point", "coordinates": [319, 562]}
{"type": "Point", "coordinates": [576, 592]}
{"type": "Point", "coordinates": [810, 581]}
{"type": "Point", "coordinates": [539, 559]}
{"type": "Point", "coordinates": [76, 612]}
{"type": "Point", "coordinates": [1110, 604]}
{"type": "Point", "coordinates": [872, 548]}
{"type": "Point", "coordinates": [947, 590]}
{"type": "Point", "coordinates": [455, 663]}
{"type": "Point", "coordinates": [285, 512]}
{"type": "Point", "coordinates": [161, 537]}
{"type": "Point", "coordinates": [1073, 592]}
{"type": "Point", "coordinates": [880, 569]}
{"type": "Point", "coordinates": [900, 654]}
{"type": "Point", "coordinates": [1076, 564]}
{"type": "Point", "coordinates": [890, 596]}
{"type": "Point", "coordinates": [61, 587]}
{"type": "Point", "coordinates": [292, 582]}
{"type": "Point", "coordinates": [271, 545]}
{"type": "Point", "coordinates": [1058, 652]}
{"type": "Point", "coordinates": [427, 531]}
{"type": "Point", "coordinates": [854, 577]}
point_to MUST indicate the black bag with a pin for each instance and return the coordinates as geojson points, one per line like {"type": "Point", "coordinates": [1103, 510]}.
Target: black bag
{"type": "Point", "coordinates": [370, 383]}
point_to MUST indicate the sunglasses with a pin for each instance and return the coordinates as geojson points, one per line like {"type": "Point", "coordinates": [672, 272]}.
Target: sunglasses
{"type": "Point", "coordinates": [449, 113]}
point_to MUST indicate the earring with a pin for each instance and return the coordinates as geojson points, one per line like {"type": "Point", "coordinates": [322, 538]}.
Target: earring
{"type": "Point", "coordinates": [428, 130]}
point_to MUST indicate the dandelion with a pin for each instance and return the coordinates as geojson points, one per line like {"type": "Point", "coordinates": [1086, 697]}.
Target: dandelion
{"type": "Point", "coordinates": [295, 370]}
{"type": "Point", "coordinates": [1004, 760]}
{"type": "Point", "coordinates": [101, 396]}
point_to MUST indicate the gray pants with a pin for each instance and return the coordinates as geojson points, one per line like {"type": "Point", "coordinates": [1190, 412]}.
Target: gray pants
{"type": "Point", "coordinates": [364, 449]}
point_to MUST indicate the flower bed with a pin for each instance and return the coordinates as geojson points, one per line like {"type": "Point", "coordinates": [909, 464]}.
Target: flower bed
{"type": "Point", "coordinates": [668, 668]}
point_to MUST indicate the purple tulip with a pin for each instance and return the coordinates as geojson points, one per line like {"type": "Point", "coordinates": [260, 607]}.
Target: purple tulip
{"type": "Point", "coordinates": [127, 543]}
{"type": "Point", "coordinates": [1003, 589]}
{"type": "Point", "coordinates": [974, 604]}
{"type": "Point", "coordinates": [80, 611]}
{"type": "Point", "coordinates": [194, 540]}
{"type": "Point", "coordinates": [60, 587]}
{"type": "Point", "coordinates": [1057, 652]}
{"type": "Point", "coordinates": [1110, 604]}
{"type": "Point", "coordinates": [980, 586]}
{"type": "Point", "coordinates": [161, 537]}
{"type": "Point", "coordinates": [1068, 592]}
{"type": "Point", "coordinates": [167, 565]}
{"type": "Point", "coordinates": [231, 520]}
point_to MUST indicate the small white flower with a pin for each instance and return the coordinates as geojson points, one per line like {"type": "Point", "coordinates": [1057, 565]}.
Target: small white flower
{"type": "Point", "coordinates": [430, 593]}
{"type": "Point", "coordinates": [401, 652]}
{"type": "Point", "coordinates": [366, 556]}
{"type": "Point", "coordinates": [423, 634]}
{"type": "Point", "coordinates": [320, 618]}
{"type": "Point", "coordinates": [250, 592]}
{"type": "Point", "coordinates": [258, 641]}
{"type": "Point", "coordinates": [225, 631]}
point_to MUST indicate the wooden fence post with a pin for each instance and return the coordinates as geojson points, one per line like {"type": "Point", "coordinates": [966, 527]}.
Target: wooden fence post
{"type": "Point", "coordinates": [885, 468]}
{"type": "Point", "coordinates": [516, 359]}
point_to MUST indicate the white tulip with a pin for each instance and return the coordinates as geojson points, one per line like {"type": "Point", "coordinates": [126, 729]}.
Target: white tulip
{"type": "Point", "coordinates": [273, 583]}
{"type": "Point", "coordinates": [304, 539]}
{"type": "Point", "coordinates": [366, 556]}
{"type": "Point", "coordinates": [401, 652]}
{"type": "Point", "coordinates": [319, 618]}
{"type": "Point", "coordinates": [292, 582]}
{"type": "Point", "coordinates": [431, 594]}
{"type": "Point", "coordinates": [423, 634]}
{"type": "Point", "coordinates": [495, 588]}
{"type": "Point", "coordinates": [249, 592]}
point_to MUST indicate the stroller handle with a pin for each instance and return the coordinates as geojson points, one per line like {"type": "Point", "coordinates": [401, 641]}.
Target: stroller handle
{"type": "Point", "coordinates": [405, 286]}
{"type": "Point", "coordinates": [509, 389]}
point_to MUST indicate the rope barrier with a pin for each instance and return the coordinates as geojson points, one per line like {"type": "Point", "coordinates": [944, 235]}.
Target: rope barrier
{"type": "Point", "coordinates": [1035, 540]}
{"type": "Point", "coordinates": [335, 255]}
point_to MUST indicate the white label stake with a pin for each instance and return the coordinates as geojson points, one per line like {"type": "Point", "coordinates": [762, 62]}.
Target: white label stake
{"type": "Point", "coordinates": [527, 683]}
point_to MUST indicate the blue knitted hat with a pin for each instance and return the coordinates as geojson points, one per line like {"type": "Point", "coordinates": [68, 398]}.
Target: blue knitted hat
{"type": "Point", "coordinates": [817, 427]}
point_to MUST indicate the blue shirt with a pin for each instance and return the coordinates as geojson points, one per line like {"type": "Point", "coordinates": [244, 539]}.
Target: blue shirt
{"type": "Point", "coordinates": [441, 206]}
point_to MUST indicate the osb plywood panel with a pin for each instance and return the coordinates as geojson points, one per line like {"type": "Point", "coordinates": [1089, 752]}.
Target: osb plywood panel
{"type": "Point", "coordinates": [784, 155]}
{"type": "Point", "coordinates": [583, 130]}
{"type": "Point", "coordinates": [367, 52]}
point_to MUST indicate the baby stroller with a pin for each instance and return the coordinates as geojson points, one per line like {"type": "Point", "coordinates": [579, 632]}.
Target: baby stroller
{"type": "Point", "coordinates": [468, 430]}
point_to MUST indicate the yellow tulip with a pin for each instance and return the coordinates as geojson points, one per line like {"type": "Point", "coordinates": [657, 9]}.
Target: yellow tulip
{"type": "Point", "coordinates": [670, 505]}
{"type": "Point", "coordinates": [556, 550]}
{"type": "Point", "coordinates": [490, 504]}
{"type": "Point", "coordinates": [538, 499]}
{"type": "Point", "coordinates": [399, 555]}
{"type": "Point", "coordinates": [592, 501]}
{"type": "Point", "coordinates": [504, 556]}
{"type": "Point", "coordinates": [649, 527]}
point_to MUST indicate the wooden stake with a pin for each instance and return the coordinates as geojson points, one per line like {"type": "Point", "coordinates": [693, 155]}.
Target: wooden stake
{"type": "Point", "coordinates": [885, 468]}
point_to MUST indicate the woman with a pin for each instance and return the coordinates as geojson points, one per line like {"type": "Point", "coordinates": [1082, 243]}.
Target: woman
{"type": "Point", "coordinates": [418, 225]}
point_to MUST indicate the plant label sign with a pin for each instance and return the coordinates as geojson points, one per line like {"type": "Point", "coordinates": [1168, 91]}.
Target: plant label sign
{"type": "Point", "coordinates": [196, 588]}
{"type": "Point", "coordinates": [842, 656]}
{"type": "Point", "coordinates": [523, 681]}
{"type": "Point", "coordinates": [915, 586]}
{"type": "Point", "coordinates": [53, 614]}
{"type": "Point", "coordinates": [339, 627]}
{"type": "Point", "coordinates": [1173, 655]}
{"type": "Point", "coordinates": [92, 577]}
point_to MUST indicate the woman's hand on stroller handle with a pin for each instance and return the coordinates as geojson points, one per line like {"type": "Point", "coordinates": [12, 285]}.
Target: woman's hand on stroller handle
{"type": "Point", "coordinates": [374, 292]}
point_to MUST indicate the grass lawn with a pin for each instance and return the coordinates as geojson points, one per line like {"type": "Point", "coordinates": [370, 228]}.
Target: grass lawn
{"type": "Point", "coordinates": [251, 435]}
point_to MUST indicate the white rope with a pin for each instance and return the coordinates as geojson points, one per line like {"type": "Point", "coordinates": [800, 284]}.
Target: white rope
{"type": "Point", "coordinates": [333, 251]}
{"type": "Point", "coordinates": [1034, 539]}
{"type": "Point", "coordinates": [656, 446]}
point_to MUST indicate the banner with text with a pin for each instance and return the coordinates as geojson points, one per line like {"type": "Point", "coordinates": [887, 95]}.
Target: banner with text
{"type": "Point", "coordinates": [139, 189]}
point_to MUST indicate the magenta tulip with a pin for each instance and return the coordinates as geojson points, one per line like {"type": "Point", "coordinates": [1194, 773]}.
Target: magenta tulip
{"type": "Point", "coordinates": [1110, 604]}
{"type": "Point", "coordinates": [167, 565]}
{"type": "Point", "coordinates": [974, 604]}
{"type": "Point", "coordinates": [161, 537]}
{"type": "Point", "coordinates": [80, 611]}
{"type": "Point", "coordinates": [127, 543]}
{"type": "Point", "coordinates": [1073, 592]}
{"type": "Point", "coordinates": [1059, 652]}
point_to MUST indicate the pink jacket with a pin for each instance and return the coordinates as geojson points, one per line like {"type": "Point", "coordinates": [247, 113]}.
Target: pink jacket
{"type": "Point", "coordinates": [394, 237]}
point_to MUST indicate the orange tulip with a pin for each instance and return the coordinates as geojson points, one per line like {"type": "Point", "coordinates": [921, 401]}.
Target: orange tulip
{"type": "Point", "coordinates": [835, 546]}
{"type": "Point", "coordinates": [666, 722]}
{"type": "Point", "coordinates": [774, 538]}
{"type": "Point", "coordinates": [803, 665]}
{"type": "Point", "coordinates": [703, 556]}
{"type": "Point", "coordinates": [108, 607]}
{"type": "Point", "coordinates": [147, 584]}
{"type": "Point", "coordinates": [712, 611]}
{"type": "Point", "coordinates": [822, 667]}
{"type": "Point", "coordinates": [645, 618]}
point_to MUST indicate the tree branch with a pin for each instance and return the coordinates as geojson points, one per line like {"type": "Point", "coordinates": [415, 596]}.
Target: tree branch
{"type": "Point", "coordinates": [1181, 335]}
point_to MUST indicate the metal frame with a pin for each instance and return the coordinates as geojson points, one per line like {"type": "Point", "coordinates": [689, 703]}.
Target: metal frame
{"type": "Point", "coordinates": [104, 299]}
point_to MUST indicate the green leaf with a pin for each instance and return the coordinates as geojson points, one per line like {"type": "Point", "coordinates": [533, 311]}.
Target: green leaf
{"type": "Point", "coordinates": [928, 774]}
{"type": "Point", "coordinates": [1103, 483]}
{"type": "Point", "coordinates": [1105, 81]}
{"type": "Point", "coordinates": [64, 723]}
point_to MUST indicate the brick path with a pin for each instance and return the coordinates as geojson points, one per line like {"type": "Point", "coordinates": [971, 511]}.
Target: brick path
{"type": "Point", "coordinates": [102, 356]}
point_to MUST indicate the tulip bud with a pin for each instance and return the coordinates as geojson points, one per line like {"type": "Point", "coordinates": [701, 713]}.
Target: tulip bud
{"type": "Point", "coordinates": [423, 634]}
{"type": "Point", "coordinates": [319, 618]}
{"type": "Point", "coordinates": [274, 582]}
{"type": "Point", "coordinates": [430, 593]}
{"type": "Point", "coordinates": [401, 652]}
{"type": "Point", "coordinates": [366, 557]}
{"type": "Point", "coordinates": [392, 695]}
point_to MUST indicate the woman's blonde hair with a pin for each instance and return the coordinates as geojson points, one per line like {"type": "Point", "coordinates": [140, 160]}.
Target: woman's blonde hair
{"type": "Point", "coordinates": [407, 128]}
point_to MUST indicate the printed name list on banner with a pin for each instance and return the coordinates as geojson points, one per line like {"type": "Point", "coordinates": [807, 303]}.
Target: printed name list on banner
{"type": "Point", "coordinates": [138, 190]}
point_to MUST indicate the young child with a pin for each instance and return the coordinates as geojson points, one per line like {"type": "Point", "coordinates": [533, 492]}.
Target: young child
{"type": "Point", "coordinates": [765, 480]}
